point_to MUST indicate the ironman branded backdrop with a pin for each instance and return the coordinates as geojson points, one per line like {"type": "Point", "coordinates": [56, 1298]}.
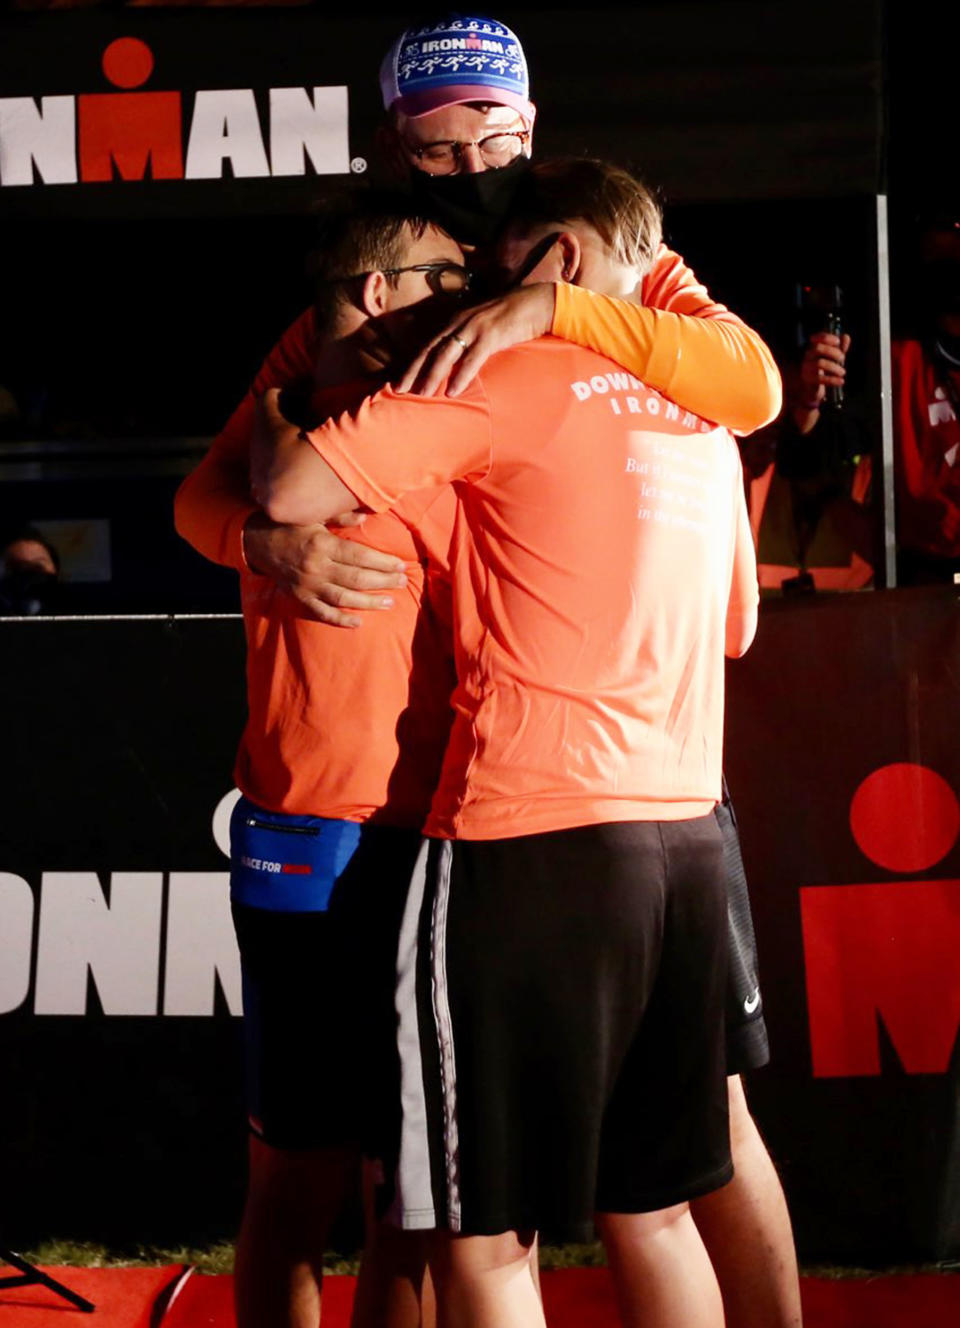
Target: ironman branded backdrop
{"type": "Point", "coordinates": [843, 761]}
{"type": "Point", "coordinates": [181, 114]}
{"type": "Point", "coordinates": [119, 986]}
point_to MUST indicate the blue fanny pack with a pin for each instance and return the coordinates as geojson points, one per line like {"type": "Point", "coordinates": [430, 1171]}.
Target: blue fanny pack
{"type": "Point", "coordinates": [287, 864]}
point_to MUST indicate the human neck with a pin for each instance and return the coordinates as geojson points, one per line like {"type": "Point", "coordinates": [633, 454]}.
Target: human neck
{"type": "Point", "coordinates": [622, 284]}
{"type": "Point", "coordinates": [625, 284]}
{"type": "Point", "coordinates": [600, 272]}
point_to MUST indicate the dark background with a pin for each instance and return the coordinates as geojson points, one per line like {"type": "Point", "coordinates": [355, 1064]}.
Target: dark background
{"type": "Point", "coordinates": [140, 311]}
{"type": "Point", "coordinates": [127, 1129]}
{"type": "Point", "coordinates": [133, 318]}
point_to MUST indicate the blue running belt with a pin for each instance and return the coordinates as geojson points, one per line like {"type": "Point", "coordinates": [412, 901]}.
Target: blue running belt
{"type": "Point", "coordinates": [287, 864]}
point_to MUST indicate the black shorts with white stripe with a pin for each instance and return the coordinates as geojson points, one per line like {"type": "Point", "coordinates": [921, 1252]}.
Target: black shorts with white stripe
{"type": "Point", "coordinates": [561, 1001]}
{"type": "Point", "coordinates": [747, 1044]}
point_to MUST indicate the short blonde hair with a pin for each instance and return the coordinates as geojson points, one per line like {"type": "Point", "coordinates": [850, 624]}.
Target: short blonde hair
{"type": "Point", "coordinates": [619, 207]}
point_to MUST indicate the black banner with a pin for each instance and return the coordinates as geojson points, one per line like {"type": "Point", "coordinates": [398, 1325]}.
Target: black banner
{"type": "Point", "coordinates": [119, 984]}
{"type": "Point", "coordinates": [119, 979]}
{"type": "Point", "coordinates": [182, 113]}
{"type": "Point", "coordinates": [843, 762]}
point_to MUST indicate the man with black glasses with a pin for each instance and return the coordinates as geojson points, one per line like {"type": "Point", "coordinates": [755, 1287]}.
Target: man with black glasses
{"type": "Point", "coordinates": [337, 766]}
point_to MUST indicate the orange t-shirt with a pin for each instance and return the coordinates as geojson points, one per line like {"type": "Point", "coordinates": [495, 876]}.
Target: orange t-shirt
{"type": "Point", "coordinates": [718, 367]}
{"type": "Point", "coordinates": [346, 724]}
{"type": "Point", "coordinates": [602, 565]}
{"type": "Point", "coordinates": [281, 764]}
{"type": "Point", "coordinates": [352, 724]}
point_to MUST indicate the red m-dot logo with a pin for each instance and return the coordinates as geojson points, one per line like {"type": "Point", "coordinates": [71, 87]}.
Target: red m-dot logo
{"type": "Point", "coordinates": [889, 951]}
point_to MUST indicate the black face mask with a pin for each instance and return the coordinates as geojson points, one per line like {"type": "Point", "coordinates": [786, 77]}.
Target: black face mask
{"type": "Point", "coordinates": [471, 207]}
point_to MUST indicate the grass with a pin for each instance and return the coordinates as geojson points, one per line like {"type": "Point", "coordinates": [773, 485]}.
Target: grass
{"type": "Point", "coordinates": [218, 1258]}
{"type": "Point", "coordinates": [89, 1254]}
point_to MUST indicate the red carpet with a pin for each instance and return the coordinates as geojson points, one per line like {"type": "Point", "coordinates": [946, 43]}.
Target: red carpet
{"type": "Point", "coordinates": [574, 1298]}
{"type": "Point", "coordinates": [124, 1298]}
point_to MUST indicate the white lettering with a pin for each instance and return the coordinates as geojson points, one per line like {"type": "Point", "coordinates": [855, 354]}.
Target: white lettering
{"type": "Point", "coordinates": [615, 406]}
{"type": "Point", "coordinates": [225, 127]}
{"type": "Point", "coordinates": [581, 390]}
{"type": "Point", "coordinates": [653, 405]}
{"type": "Point", "coordinates": [301, 128]}
{"type": "Point", "coordinates": [940, 412]}
{"type": "Point", "coordinates": [462, 44]}
{"type": "Point", "coordinates": [16, 940]}
{"type": "Point", "coordinates": [201, 947]}
{"type": "Point", "coordinates": [633, 406]}
{"type": "Point", "coordinates": [599, 384]}
{"type": "Point", "coordinates": [221, 820]}
{"type": "Point", "coordinates": [689, 420]}
{"type": "Point", "coordinates": [45, 137]}
{"type": "Point", "coordinates": [672, 411]}
{"type": "Point", "coordinates": [119, 942]}
{"type": "Point", "coordinates": [619, 381]}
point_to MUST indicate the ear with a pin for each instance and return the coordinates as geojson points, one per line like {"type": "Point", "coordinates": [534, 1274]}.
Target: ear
{"type": "Point", "coordinates": [375, 294]}
{"type": "Point", "coordinates": [571, 255]}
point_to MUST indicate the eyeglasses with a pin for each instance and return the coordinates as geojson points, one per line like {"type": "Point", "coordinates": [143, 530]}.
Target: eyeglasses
{"type": "Point", "coordinates": [442, 278]}
{"type": "Point", "coordinates": [495, 150]}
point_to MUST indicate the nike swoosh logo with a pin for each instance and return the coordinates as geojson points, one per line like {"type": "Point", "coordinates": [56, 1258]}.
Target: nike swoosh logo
{"type": "Point", "coordinates": [751, 1003]}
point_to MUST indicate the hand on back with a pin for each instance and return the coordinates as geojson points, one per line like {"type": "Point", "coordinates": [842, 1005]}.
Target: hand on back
{"type": "Point", "coordinates": [326, 574]}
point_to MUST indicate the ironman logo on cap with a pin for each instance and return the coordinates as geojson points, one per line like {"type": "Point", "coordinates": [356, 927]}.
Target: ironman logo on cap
{"type": "Point", "coordinates": [455, 59]}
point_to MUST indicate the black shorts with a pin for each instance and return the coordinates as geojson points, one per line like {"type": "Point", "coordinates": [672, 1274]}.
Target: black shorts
{"type": "Point", "coordinates": [747, 1045]}
{"type": "Point", "coordinates": [561, 1002]}
{"type": "Point", "coordinates": [318, 957]}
